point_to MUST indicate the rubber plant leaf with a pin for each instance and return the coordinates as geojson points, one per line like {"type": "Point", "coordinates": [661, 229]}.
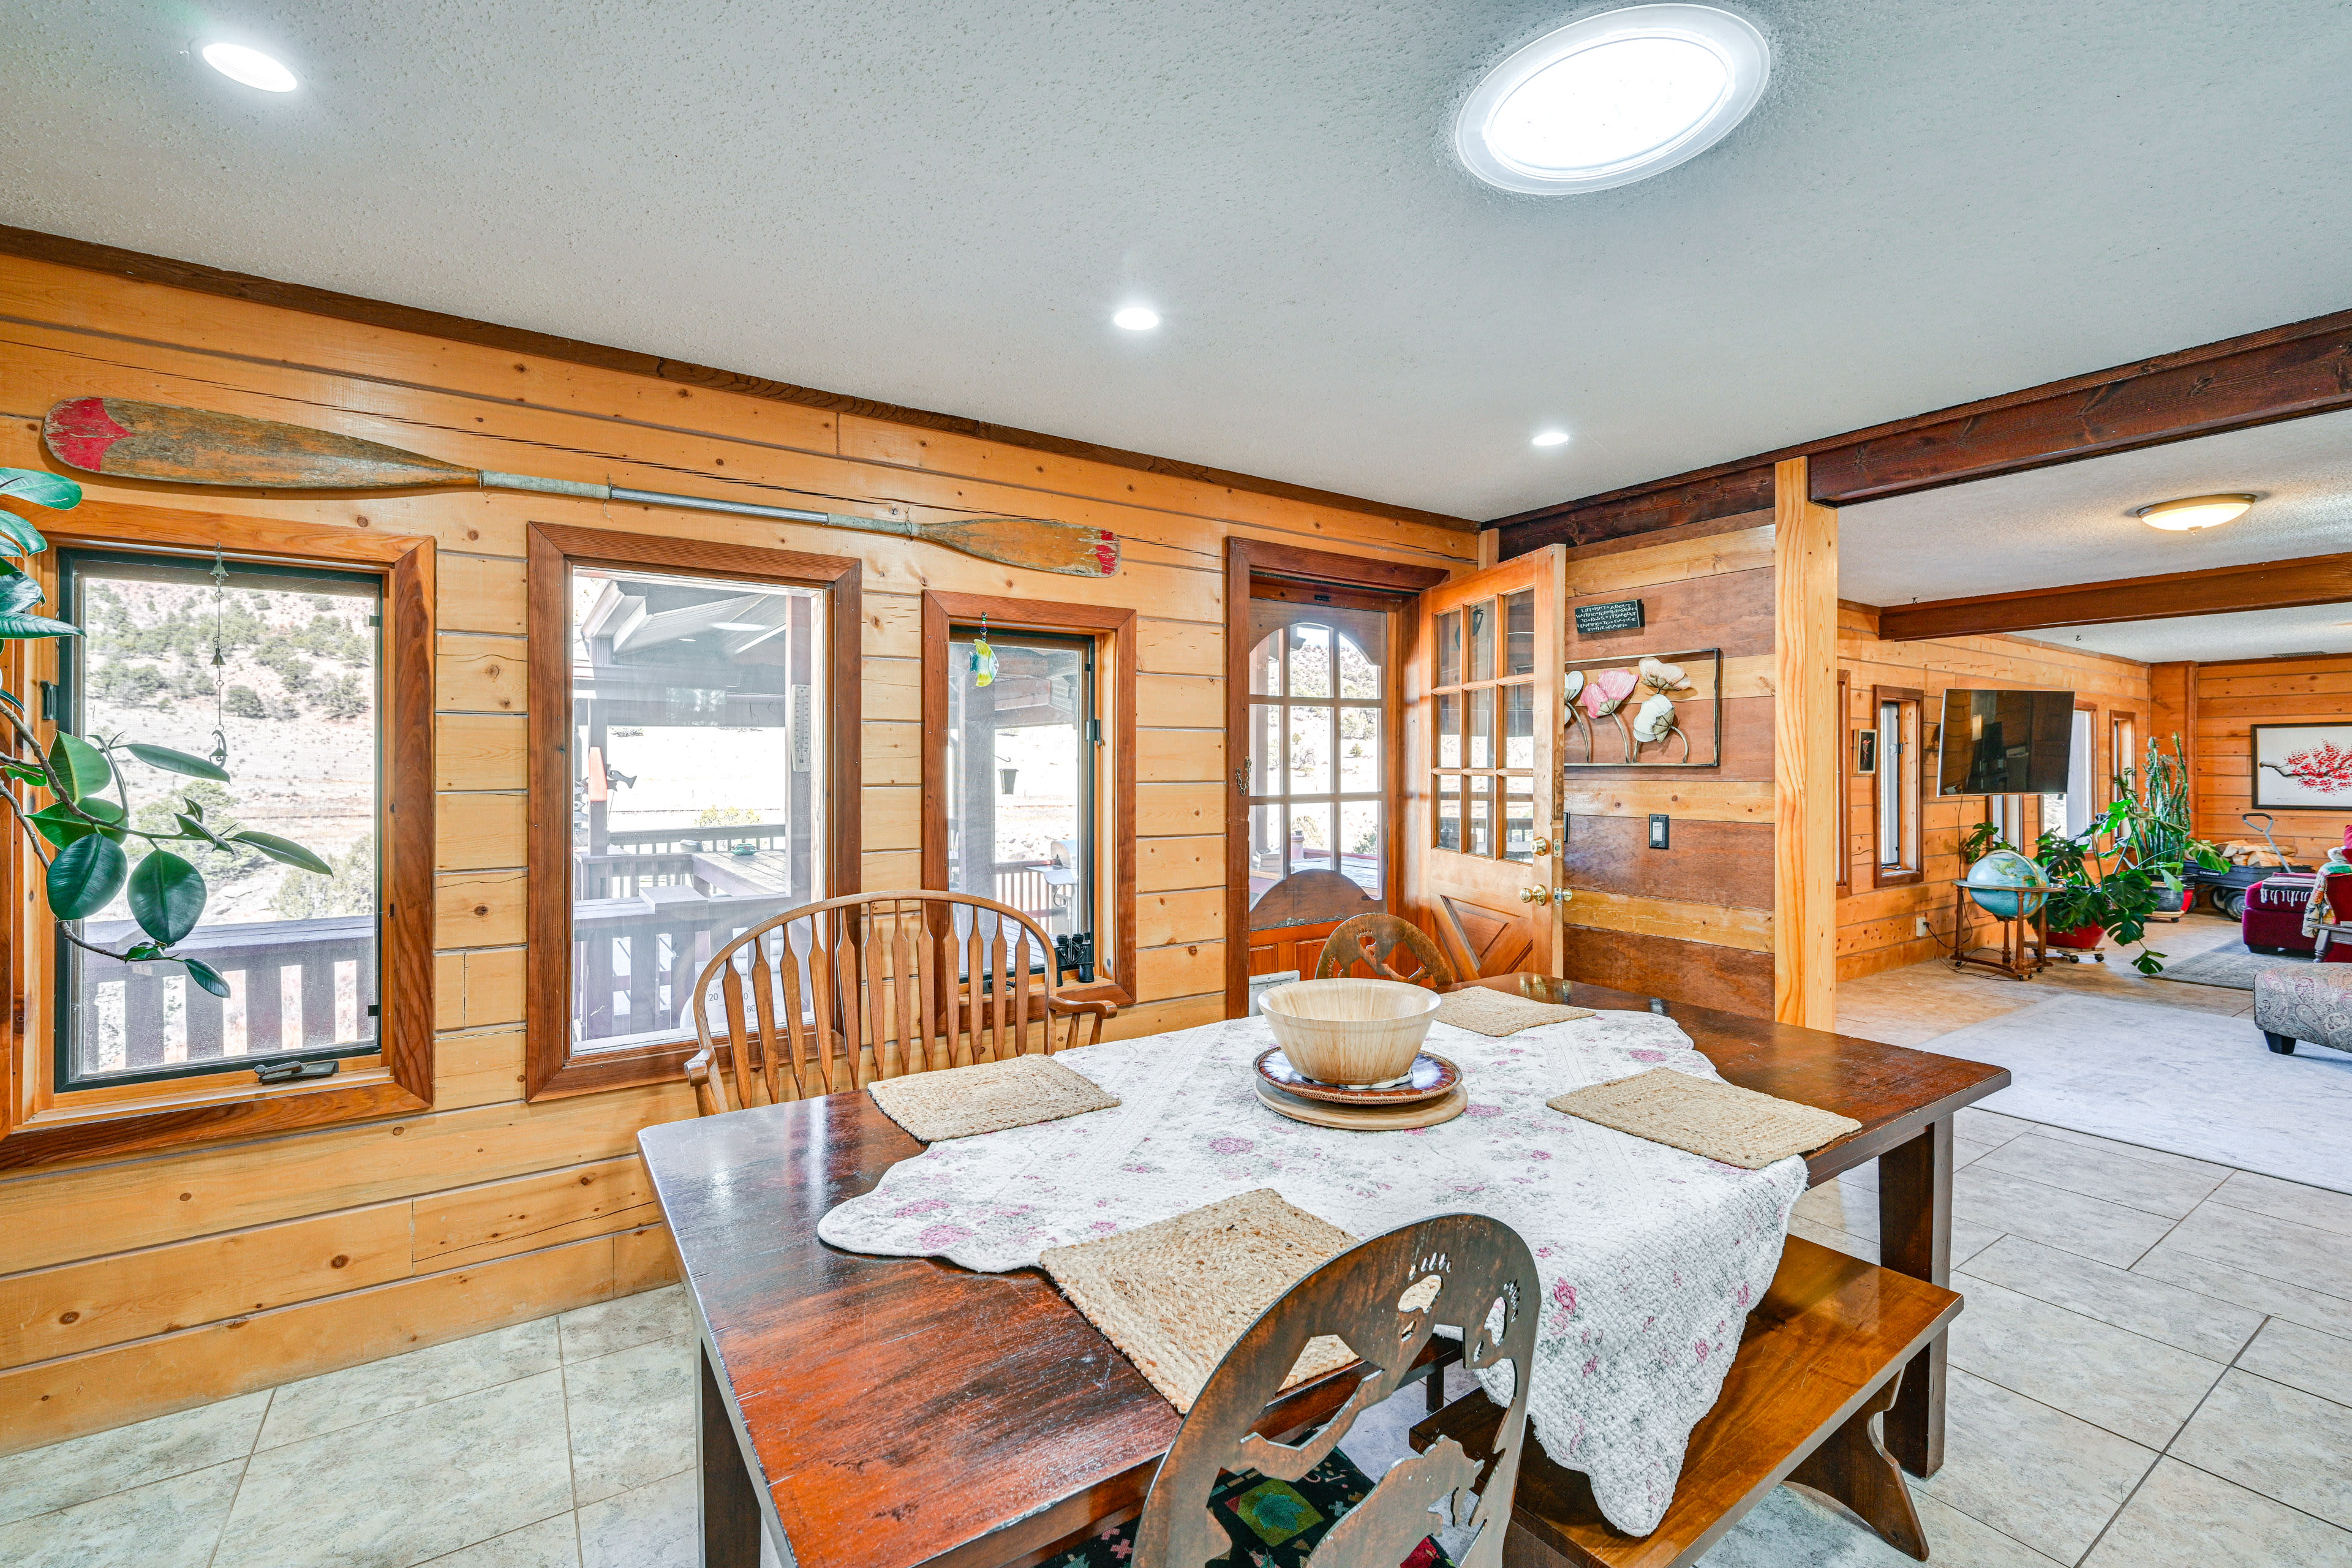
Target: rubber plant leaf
{"type": "Point", "coordinates": [36, 627]}
{"type": "Point", "coordinates": [205, 976]}
{"type": "Point", "coordinates": [85, 876]}
{"type": "Point", "coordinates": [59, 825]}
{"type": "Point", "coordinates": [17, 591]}
{"type": "Point", "coordinates": [175, 762]}
{"type": "Point", "coordinates": [52, 490]}
{"type": "Point", "coordinates": [81, 768]}
{"type": "Point", "coordinates": [167, 896]}
{"type": "Point", "coordinates": [195, 827]}
{"type": "Point", "coordinates": [285, 851]}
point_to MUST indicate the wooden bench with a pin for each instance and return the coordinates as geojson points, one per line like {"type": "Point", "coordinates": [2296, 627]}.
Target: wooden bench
{"type": "Point", "coordinates": [1820, 1357]}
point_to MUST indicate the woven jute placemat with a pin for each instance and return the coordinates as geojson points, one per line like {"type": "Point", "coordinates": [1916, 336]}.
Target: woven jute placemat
{"type": "Point", "coordinates": [987, 1097]}
{"type": "Point", "coordinates": [1174, 1295]}
{"type": "Point", "coordinates": [1725, 1123]}
{"type": "Point", "coordinates": [1499, 1013]}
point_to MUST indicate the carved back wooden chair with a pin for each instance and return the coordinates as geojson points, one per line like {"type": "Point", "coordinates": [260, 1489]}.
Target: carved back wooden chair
{"type": "Point", "coordinates": [832, 995]}
{"type": "Point", "coordinates": [1373, 941]}
{"type": "Point", "coordinates": [1384, 1299]}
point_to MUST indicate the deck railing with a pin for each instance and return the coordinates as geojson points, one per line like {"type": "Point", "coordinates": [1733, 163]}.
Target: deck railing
{"type": "Point", "coordinates": [293, 985]}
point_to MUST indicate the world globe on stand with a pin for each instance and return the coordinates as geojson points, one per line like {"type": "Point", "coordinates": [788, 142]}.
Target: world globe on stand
{"type": "Point", "coordinates": [2007, 886]}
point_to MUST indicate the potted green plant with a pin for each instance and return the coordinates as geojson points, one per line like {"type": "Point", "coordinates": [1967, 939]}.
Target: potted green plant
{"type": "Point", "coordinates": [2158, 832]}
{"type": "Point", "coordinates": [82, 832]}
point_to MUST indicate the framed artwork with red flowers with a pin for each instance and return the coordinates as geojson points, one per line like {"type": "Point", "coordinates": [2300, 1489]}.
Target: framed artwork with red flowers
{"type": "Point", "coordinates": [2303, 767]}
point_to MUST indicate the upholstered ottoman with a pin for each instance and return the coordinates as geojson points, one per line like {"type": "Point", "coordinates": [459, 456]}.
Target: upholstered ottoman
{"type": "Point", "coordinates": [2312, 1004]}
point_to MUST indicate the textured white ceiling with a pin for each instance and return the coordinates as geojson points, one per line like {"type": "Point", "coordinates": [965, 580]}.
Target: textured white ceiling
{"type": "Point", "coordinates": [2244, 634]}
{"type": "Point", "coordinates": [2073, 523]}
{"type": "Point", "coordinates": [940, 204]}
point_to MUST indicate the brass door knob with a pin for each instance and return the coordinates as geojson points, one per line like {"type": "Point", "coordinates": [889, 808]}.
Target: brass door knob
{"type": "Point", "coordinates": [1562, 895]}
{"type": "Point", "coordinates": [1534, 895]}
{"type": "Point", "coordinates": [1542, 846]}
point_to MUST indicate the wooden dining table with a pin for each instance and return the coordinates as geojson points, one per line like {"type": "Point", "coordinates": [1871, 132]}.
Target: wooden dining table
{"type": "Point", "coordinates": [890, 1411]}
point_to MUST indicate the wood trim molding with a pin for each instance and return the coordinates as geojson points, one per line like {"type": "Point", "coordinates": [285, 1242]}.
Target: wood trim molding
{"type": "Point", "coordinates": [1113, 631]}
{"type": "Point", "coordinates": [1804, 753]}
{"type": "Point", "coordinates": [550, 1069]}
{"type": "Point", "coordinates": [43, 1129]}
{"type": "Point", "coordinates": [2281, 373]}
{"type": "Point", "coordinates": [1245, 559]}
{"type": "Point", "coordinates": [197, 278]}
{"type": "Point", "coordinates": [2268, 586]}
{"type": "Point", "coordinates": [1845, 776]}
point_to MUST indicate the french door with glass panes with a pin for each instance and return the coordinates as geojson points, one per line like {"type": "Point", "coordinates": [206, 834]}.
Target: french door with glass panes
{"type": "Point", "coordinates": [1318, 774]}
{"type": "Point", "coordinates": [1487, 764]}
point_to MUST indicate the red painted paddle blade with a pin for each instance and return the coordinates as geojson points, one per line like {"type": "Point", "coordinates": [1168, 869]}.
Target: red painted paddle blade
{"type": "Point", "coordinates": [123, 439]}
{"type": "Point", "coordinates": [1068, 548]}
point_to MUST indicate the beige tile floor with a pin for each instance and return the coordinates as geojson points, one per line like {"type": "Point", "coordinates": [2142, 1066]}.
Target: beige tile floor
{"type": "Point", "coordinates": [2154, 1371]}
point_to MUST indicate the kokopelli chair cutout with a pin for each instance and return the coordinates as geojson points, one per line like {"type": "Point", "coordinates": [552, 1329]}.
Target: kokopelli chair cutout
{"type": "Point", "coordinates": [1384, 1299]}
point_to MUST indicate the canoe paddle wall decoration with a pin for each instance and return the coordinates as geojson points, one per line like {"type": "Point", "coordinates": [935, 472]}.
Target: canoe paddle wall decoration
{"type": "Point", "coordinates": [124, 439]}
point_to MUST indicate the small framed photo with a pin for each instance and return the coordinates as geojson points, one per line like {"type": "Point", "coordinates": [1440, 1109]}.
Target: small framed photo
{"type": "Point", "coordinates": [1865, 751]}
{"type": "Point", "coordinates": [2303, 767]}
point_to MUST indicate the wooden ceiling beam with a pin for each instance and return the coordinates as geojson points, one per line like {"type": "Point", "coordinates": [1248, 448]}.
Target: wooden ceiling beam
{"type": "Point", "coordinates": [2281, 373]}
{"type": "Point", "coordinates": [2269, 585]}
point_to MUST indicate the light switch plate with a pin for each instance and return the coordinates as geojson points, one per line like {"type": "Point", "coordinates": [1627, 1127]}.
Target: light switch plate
{"type": "Point", "coordinates": [1658, 834]}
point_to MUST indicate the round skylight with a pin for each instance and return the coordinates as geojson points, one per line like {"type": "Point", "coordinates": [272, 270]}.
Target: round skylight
{"type": "Point", "coordinates": [250, 67]}
{"type": "Point", "coordinates": [1613, 98]}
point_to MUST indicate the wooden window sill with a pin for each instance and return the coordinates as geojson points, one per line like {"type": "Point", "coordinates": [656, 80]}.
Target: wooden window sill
{"type": "Point", "coordinates": [108, 1123]}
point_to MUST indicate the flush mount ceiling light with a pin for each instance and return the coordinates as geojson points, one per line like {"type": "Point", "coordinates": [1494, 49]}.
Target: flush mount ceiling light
{"type": "Point", "coordinates": [1550, 438]}
{"type": "Point", "coordinates": [250, 67]}
{"type": "Point", "coordinates": [1613, 98]}
{"type": "Point", "coordinates": [2194, 511]}
{"type": "Point", "coordinates": [1136, 319]}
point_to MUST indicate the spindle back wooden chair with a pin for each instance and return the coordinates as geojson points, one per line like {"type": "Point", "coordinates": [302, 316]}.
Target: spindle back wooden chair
{"type": "Point", "coordinates": [1384, 1298]}
{"type": "Point", "coordinates": [1373, 940]}
{"type": "Point", "coordinates": [832, 995]}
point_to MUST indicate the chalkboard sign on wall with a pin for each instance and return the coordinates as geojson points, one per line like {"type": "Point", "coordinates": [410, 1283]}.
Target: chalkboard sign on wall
{"type": "Point", "coordinates": [1618, 616]}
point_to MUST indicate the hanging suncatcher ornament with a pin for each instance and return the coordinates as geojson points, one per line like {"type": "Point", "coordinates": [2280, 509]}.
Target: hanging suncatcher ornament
{"type": "Point", "coordinates": [983, 657]}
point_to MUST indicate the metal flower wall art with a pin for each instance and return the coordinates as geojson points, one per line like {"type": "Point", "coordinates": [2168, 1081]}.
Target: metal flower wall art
{"type": "Point", "coordinates": [1637, 701]}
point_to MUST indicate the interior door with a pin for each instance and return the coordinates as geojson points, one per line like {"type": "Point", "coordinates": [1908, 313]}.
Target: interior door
{"type": "Point", "coordinates": [1485, 784]}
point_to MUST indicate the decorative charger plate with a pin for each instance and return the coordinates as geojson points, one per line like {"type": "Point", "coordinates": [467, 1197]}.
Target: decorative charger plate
{"type": "Point", "coordinates": [1430, 1076]}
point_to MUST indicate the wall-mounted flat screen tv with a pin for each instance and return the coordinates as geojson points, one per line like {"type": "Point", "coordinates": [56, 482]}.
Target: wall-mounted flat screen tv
{"type": "Point", "coordinates": [2005, 743]}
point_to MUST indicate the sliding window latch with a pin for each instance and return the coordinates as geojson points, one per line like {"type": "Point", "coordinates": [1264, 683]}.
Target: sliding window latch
{"type": "Point", "coordinates": [1094, 731]}
{"type": "Point", "coordinates": [48, 701]}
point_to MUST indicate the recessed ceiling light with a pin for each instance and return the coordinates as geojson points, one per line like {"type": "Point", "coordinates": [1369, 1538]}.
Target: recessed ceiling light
{"type": "Point", "coordinates": [2194, 511]}
{"type": "Point", "coordinates": [1613, 98]}
{"type": "Point", "coordinates": [250, 67]}
{"type": "Point", "coordinates": [1136, 319]}
{"type": "Point", "coordinates": [1551, 439]}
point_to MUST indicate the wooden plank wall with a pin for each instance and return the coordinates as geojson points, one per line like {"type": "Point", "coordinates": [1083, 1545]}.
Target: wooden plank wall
{"type": "Point", "coordinates": [1693, 922]}
{"type": "Point", "coordinates": [1877, 927]}
{"type": "Point", "coordinates": [2231, 699]}
{"type": "Point", "coordinates": [132, 1289]}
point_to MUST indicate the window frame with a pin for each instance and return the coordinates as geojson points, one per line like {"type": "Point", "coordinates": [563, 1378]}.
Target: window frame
{"type": "Point", "coordinates": [1112, 631]}
{"type": "Point", "coordinates": [1845, 788]}
{"type": "Point", "coordinates": [40, 1126]}
{"type": "Point", "coordinates": [550, 1069]}
{"type": "Point", "coordinates": [1908, 777]}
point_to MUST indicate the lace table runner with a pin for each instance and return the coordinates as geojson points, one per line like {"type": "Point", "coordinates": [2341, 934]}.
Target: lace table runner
{"type": "Point", "coordinates": [1650, 1257]}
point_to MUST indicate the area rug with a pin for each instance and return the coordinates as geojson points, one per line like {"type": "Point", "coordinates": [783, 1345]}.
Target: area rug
{"type": "Point", "coordinates": [2234, 967]}
{"type": "Point", "coordinates": [2172, 1079]}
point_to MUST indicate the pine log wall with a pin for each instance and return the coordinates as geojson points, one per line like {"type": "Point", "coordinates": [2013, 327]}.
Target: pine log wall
{"type": "Point", "coordinates": [2229, 699]}
{"type": "Point", "coordinates": [1877, 927]}
{"type": "Point", "coordinates": [135, 1288]}
{"type": "Point", "coordinates": [1691, 922]}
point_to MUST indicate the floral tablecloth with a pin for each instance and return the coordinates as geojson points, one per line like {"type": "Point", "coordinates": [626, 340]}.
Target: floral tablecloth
{"type": "Point", "coordinates": [1650, 1257]}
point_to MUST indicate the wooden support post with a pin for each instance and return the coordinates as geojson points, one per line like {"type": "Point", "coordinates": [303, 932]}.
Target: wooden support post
{"type": "Point", "coordinates": [1805, 760]}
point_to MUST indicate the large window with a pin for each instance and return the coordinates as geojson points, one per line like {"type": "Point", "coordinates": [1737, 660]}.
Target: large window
{"type": "Point", "coordinates": [1894, 799]}
{"type": "Point", "coordinates": [1484, 705]}
{"type": "Point", "coordinates": [686, 780]}
{"type": "Point", "coordinates": [301, 658]}
{"type": "Point", "coordinates": [1022, 742]}
{"type": "Point", "coordinates": [1317, 759]}
{"type": "Point", "coordinates": [275, 673]}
